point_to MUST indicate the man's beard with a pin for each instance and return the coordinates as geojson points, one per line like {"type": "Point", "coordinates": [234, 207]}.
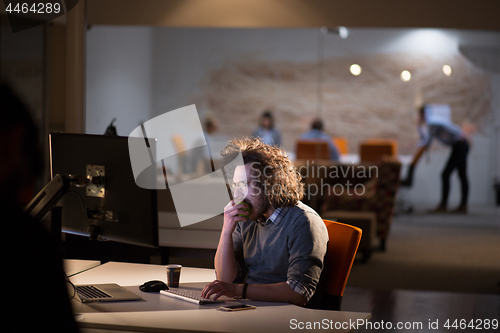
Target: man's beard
{"type": "Point", "coordinates": [260, 209]}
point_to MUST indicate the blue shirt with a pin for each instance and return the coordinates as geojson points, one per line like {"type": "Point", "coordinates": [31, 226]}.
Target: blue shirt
{"type": "Point", "coordinates": [269, 137]}
{"type": "Point", "coordinates": [320, 135]}
{"type": "Point", "coordinates": [446, 133]}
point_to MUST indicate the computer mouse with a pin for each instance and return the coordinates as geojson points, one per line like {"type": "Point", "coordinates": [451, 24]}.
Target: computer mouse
{"type": "Point", "coordinates": [153, 286]}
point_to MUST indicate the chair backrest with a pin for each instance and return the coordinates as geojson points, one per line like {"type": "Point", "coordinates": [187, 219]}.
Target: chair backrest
{"type": "Point", "coordinates": [342, 247]}
{"type": "Point", "coordinates": [373, 150]}
{"type": "Point", "coordinates": [179, 145]}
{"type": "Point", "coordinates": [312, 149]}
{"type": "Point", "coordinates": [342, 144]}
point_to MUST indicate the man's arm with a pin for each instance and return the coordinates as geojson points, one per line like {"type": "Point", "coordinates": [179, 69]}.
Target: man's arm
{"type": "Point", "coordinates": [425, 142]}
{"type": "Point", "coordinates": [275, 292]}
{"type": "Point", "coordinates": [417, 155]}
{"type": "Point", "coordinates": [225, 262]}
{"type": "Point", "coordinates": [306, 252]}
{"type": "Point", "coordinates": [408, 180]}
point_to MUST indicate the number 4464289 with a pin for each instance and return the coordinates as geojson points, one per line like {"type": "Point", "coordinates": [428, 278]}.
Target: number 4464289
{"type": "Point", "coordinates": [35, 8]}
{"type": "Point", "coordinates": [477, 324]}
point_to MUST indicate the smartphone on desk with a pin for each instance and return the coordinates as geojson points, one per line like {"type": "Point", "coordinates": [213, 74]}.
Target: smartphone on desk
{"type": "Point", "coordinates": [237, 307]}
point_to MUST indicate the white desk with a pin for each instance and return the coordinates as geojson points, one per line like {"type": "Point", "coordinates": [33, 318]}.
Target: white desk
{"type": "Point", "coordinates": [127, 274]}
{"type": "Point", "coordinates": [157, 313]}
{"type": "Point", "coordinates": [75, 266]}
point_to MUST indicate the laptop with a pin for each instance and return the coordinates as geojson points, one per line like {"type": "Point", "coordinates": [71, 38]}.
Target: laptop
{"type": "Point", "coordinates": [106, 292]}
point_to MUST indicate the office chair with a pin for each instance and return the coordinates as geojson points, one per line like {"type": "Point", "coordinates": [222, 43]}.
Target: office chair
{"type": "Point", "coordinates": [342, 247]}
{"type": "Point", "coordinates": [342, 144]}
{"type": "Point", "coordinates": [180, 148]}
{"type": "Point", "coordinates": [311, 149]}
{"type": "Point", "coordinates": [373, 150]}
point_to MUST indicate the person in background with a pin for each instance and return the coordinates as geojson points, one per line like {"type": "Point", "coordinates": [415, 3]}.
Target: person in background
{"type": "Point", "coordinates": [266, 130]}
{"type": "Point", "coordinates": [272, 246]}
{"type": "Point", "coordinates": [211, 129]}
{"type": "Point", "coordinates": [30, 258]}
{"type": "Point", "coordinates": [451, 135]}
{"type": "Point", "coordinates": [316, 133]}
{"type": "Point", "coordinates": [208, 152]}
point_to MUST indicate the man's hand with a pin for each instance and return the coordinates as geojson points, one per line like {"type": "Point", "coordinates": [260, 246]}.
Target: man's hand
{"type": "Point", "coordinates": [275, 292]}
{"type": "Point", "coordinates": [220, 288]}
{"type": "Point", "coordinates": [231, 216]}
{"type": "Point", "coordinates": [225, 261]}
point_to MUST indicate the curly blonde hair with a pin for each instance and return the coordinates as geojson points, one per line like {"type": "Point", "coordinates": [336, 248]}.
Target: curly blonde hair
{"type": "Point", "coordinates": [277, 177]}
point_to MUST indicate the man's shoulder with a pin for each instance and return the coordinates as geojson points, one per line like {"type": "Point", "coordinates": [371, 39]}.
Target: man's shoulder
{"type": "Point", "coordinates": [303, 220]}
{"type": "Point", "coordinates": [307, 135]}
{"type": "Point", "coordinates": [302, 212]}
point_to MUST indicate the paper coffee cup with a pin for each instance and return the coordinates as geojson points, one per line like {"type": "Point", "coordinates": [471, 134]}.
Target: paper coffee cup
{"type": "Point", "coordinates": [173, 275]}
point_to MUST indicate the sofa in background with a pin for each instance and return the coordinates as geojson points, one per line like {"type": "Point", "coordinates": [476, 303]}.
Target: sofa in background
{"type": "Point", "coordinates": [379, 196]}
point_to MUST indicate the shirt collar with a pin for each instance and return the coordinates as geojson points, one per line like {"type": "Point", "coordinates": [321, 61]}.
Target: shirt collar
{"type": "Point", "coordinates": [277, 216]}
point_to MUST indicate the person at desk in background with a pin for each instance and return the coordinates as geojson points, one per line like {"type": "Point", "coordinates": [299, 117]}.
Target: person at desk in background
{"type": "Point", "coordinates": [272, 246]}
{"type": "Point", "coordinates": [207, 153]}
{"type": "Point", "coordinates": [316, 133]}
{"type": "Point", "coordinates": [432, 126]}
{"type": "Point", "coordinates": [33, 279]}
{"type": "Point", "coordinates": [266, 130]}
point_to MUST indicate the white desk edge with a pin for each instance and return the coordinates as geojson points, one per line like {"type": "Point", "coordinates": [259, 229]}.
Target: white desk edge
{"type": "Point", "coordinates": [274, 317]}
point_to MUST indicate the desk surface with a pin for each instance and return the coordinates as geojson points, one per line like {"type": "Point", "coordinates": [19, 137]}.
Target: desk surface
{"type": "Point", "coordinates": [127, 274]}
{"type": "Point", "coordinates": [157, 313]}
{"type": "Point", "coordinates": [75, 266]}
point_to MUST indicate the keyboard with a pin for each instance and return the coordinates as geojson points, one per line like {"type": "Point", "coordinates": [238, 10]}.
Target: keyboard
{"type": "Point", "coordinates": [91, 292]}
{"type": "Point", "coordinates": [188, 296]}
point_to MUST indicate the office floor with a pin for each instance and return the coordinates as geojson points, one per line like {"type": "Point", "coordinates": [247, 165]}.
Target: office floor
{"type": "Point", "coordinates": [437, 267]}
{"type": "Point", "coordinates": [454, 253]}
{"type": "Point", "coordinates": [419, 309]}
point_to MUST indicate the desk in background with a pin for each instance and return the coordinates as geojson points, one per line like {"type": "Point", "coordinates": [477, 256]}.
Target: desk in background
{"type": "Point", "coordinates": [202, 235]}
{"type": "Point", "coordinates": [157, 313]}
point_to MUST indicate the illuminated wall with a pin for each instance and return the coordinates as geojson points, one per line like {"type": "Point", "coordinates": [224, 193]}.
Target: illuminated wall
{"type": "Point", "coordinates": [300, 73]}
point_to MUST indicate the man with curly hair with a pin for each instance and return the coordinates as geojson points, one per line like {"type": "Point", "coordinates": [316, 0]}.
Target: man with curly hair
{"type": "Point", "coordinates": [272, 246]}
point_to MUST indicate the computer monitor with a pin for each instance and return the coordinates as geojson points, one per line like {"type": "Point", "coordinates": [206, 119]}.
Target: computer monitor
{"type": "Point", "coordinates": [112, 207]}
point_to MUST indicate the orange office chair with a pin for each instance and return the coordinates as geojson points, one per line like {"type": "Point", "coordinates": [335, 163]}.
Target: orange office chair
{"type": "Point", "coordinates": [342, 144]}
{"type": "Point", "coordinates": [312, 150]}
{"type": "Point", "coordinates": [373, 150]}
{"type": "Point", "coordinates": [342, 246]}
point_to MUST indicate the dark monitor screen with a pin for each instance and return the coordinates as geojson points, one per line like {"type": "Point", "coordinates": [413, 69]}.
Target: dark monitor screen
{"type": "Point", "coordinates": [115, 209]}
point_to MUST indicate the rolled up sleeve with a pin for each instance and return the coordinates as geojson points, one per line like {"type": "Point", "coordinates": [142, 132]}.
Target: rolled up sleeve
{"type": "Point", "coordinates": [307, 248]}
